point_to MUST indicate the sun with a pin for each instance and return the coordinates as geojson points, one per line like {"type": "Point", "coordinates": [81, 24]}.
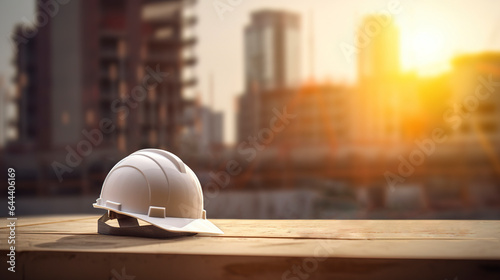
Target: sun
{"type": "Point", "coordinates": [424, 48]}
{"type": "Point", "coordinates": [427, 47]}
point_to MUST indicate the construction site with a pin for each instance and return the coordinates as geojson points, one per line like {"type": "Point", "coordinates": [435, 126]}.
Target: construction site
{"type": "Point", "coordinates": [380, 147]}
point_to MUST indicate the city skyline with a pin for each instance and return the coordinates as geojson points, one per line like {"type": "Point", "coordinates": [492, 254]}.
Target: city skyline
{"type": "Point", "coordinates": [335, 22]}
{"type": "Point", "coordinates": [102, 79]}
{"type": "Point", "coordinates": [221, 44]}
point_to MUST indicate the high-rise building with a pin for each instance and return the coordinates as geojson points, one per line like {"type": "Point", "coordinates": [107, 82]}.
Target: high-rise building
{"type": "Point", "coordinates": [32, 121]}
{"type": "Point", "coordinates": [272, 50]}
{"type": "Point", "coordinates": [118, 67]}
{"type": "Point", "coordinates": [247, 118]}
{"type": "Point", "coordinates": [378, 45]}
{"type": "Point", "coordinates": [376, 106]}
{"type": "Point", "coordinates": [118, 60]}
{"type": "Point", "coordinates": [4, 109]}
{"type": "Point", "coordinates": [474, 118]}
{"type": "Point", "coordinates": [272, 63]}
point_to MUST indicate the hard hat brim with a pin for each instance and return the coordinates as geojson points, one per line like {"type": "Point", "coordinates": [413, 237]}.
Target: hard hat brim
{"type": "Point", "coordinates": [171, 223]}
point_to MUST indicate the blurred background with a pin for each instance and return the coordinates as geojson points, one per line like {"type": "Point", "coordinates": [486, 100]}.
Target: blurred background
{"type": "Point", "coordinates": [283, 108]}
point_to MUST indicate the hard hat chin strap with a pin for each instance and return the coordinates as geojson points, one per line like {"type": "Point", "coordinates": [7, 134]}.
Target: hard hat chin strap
{"type": "Point", "coordinates": [129, 226]}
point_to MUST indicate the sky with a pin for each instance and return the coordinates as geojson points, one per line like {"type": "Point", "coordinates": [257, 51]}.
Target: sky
{"type": "Point", "coordinates": [432, 32]}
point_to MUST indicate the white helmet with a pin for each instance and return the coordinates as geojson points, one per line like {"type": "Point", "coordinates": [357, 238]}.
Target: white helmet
{"type": "Point", "coordinates": [157, 187]}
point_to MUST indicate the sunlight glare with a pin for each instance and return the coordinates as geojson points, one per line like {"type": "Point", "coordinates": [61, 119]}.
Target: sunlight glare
{"type": "Point", "coordinates": [424, 48]}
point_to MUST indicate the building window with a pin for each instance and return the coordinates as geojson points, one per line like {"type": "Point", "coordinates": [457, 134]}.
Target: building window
{"type": "Point", "coordinates": [113, 72]}
{"type": "Point", "coordinates": [90, 117]}
{"type": "Point", "coordinates": [122, 142]}
{"type": "Point", "coordinates": [121, 119]}
{"type": "Point", "coordinates": [152, 95]}
{"type": "Point", "coordinates": [153, 137]}
{"type": "Point", "coordinates": [139, 73]}
{"type": "Point", "coordinates": [122, 49]}
{"type": "Point", "coordinates": [123, 89]}
{"type": "Point", "coordinates": [65, 119]}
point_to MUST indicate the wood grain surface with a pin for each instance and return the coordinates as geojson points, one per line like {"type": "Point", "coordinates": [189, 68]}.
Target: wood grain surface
{"type": "Point", "coordinates": [69, 247]}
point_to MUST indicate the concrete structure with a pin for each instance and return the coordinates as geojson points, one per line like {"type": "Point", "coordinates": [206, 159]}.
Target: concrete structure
{"type": "Point", "coordinates": [86, 66]}
{"type": "Point", "coordinates": [115, 68]}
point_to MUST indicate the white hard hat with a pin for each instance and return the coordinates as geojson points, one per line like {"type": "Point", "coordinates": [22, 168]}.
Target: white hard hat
{"type": "Point", "coordinates": [157, 187]}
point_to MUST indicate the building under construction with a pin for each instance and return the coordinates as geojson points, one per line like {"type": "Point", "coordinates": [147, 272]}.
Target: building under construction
{"type": "Point", "coordinates": [385, 137]}
{"type": "Point", "coordinates": [96, 82]}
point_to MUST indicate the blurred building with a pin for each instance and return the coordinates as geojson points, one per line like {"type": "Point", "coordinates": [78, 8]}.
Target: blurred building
{"type": "Point", "coordinates": [320, 115]}
{"type": "Point", "coordinates": [272, 50]}
{"type": "Point", "coordinates": [213, 124]}
{"type": "Point", "coordinates": [354, 135]}
{"type": "Point", "coordinates": [309, 144]}
{"type": "Point", "coordinates": [203, 130]}
{"type": "Point", "coordinates": [476, 95]}
{"type": "Point", "coordinates": [463, 170]}
{"type": "Point", "coordinates": [32, 121]}
{"type": "Point", "coordinates": [272, 62]}
{"type": "Point", "coordinates": [111, 73]}
{"type": "Point", "coordinates": [5, 118]}
{"type": "Point", "coordinates": [246, 117]}
{"type": "Point", "coordinates": [473, 122]}
{"type": "Point", "coordinates": [301, 134]}
{"type": "Point", "coordinates": [376, 107]}
{"type": "Point", "coordinates": [3, 105]}
{"type": "Point", "coordinates": [87, 66]}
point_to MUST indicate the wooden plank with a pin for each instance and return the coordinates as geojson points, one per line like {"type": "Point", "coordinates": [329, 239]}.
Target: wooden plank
{"type": "Point", "coordinates": [51, 246]}
{"type": "Point", "coordinates": [410, 249]}
{"type": "Point", "coordinates": [316, 229]}
{"type": "Point", "coordinates": [88, 265]}
{"type": "Point", "coordinates": [40, 220]}
{"type": "Point", "coordinates": [320, 229]}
